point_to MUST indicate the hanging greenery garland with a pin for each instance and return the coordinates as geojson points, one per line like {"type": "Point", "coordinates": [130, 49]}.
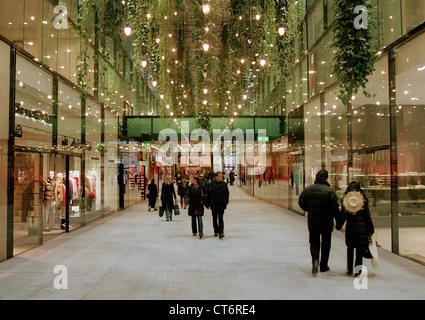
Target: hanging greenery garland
{"type": "Point", "coordinates": [354, 59]}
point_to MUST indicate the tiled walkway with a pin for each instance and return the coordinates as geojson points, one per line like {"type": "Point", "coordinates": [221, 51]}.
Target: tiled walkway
{"type": "Point", "coordinates": [265, 255]}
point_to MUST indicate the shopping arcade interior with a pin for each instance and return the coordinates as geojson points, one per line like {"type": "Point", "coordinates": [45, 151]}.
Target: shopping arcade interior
{"type": "Point", "coordinates": [293, 157]}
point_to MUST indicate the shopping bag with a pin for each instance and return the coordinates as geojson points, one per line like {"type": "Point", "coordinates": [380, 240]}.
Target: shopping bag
{"type": "Point", "coordinates": [176, 210]}
{"type": "Point", "coordinates": [157, 204]}
{"type": "Point", "coordinates": [374, 252]}
{"type": "Point", "coordinates": [161, 211]}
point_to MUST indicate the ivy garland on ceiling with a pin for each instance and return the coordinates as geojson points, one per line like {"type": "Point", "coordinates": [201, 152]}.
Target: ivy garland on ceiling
{"type": "Point", "coordinates": [354, 60]}
{"type": "Point", "coordinates": [247, 33]}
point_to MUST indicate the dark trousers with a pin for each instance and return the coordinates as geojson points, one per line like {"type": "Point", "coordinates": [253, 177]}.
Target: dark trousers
{"type": "Point", "coordinates": [218, 221]}
{"type": "Point", "coordinates": [197, 222]}
{"type": "Point", "coordinates": [321, 248]}
{"type": "Point", "coordinates": [350, 258]}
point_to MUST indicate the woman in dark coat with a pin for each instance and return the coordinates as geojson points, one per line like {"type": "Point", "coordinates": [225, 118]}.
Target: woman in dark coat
{"type": "Point", "coordinates": [359, 228]}
{"type": "Point", "coordinates": [153, 195]}
{"type": "Point", "coordinates": [194, 197]}
{"type": "Point", "coordinates": [167, 195]}
{"type": "Point", "coordinates": [181, 190]}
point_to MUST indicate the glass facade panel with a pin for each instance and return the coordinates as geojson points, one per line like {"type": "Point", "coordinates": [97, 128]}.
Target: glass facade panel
{"type": "Point", "coordinates": [313, 140]}
{"type": "Point", "coordinates": [93, 157]}
{"type": "Point", "coordinates": [315, 24]}
{"type": "Point", "coordinates": [336, 141]}
{"type": "Point", "coordinates": [27, 202]}
{"type": "Point", "coordinates": [111, 160]}
{"type": "Point", "coordinates": [413, 12]}
{"type": "Point", "coordinates": [34, 114]}
{"type": "Point", "coordinates": [69, 119]}
{"type": "Point", "coordinates": [12, 21]}
{"type": "Point", "coordinates": [410, 77]}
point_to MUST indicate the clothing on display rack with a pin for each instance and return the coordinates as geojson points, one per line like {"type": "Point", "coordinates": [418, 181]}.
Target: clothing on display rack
{"type": "Point", "coordinates": [60, 198]}
{"type": "Point", "coordinates": [49, 202]}
{"type": "Point", "coordinates": [90, 191]}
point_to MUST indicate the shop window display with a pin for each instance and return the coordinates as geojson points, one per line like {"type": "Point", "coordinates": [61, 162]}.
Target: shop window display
{"type": "Point", "coordinates": [27, 202]}
{"type": "Point", "coordinates": [93, 158]}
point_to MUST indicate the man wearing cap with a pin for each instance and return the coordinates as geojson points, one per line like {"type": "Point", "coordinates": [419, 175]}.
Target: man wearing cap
{"type": "Point", "coordinates": [321, 204]}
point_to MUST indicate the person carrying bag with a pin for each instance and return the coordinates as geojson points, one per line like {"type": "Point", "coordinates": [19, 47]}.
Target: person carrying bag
{"type": "Point", "coordinates": [359, 228]}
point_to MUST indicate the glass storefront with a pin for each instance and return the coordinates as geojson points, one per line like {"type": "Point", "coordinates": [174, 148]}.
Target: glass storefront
{"type": "Point", "coordinates": [410, 77]}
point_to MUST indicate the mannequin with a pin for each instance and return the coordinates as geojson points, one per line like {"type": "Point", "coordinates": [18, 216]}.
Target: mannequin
{"type": "Point", "coordinates": [60, 198]}
{"type": "Point", "coordinates": [49, 202]}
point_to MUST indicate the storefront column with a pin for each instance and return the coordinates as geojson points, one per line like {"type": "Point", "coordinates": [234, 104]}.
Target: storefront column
{"type": "Point", "coordinates": [393, 152]}
{"type": "Point", "coordinates": [5, 107]}
{"type": "Point", "coordinates": [11, 143]}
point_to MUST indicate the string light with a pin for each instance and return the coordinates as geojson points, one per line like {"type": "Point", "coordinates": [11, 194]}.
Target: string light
{"type": "Point", "coordinates": [128, 30]}
{"type": "Point", "coordinates": [206, 46]}
{"type": "Point", "coordinates": [206, 8]}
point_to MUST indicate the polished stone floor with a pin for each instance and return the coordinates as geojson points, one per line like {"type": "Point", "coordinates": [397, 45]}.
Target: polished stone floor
{"type": "Point", "coordinates": [265, 255]}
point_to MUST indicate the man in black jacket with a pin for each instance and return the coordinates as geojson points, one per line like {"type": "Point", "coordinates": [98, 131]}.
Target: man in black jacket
{"type": "Point", "coordinates": [218, 198]}
{"type": "Point", "coordinates": [321, 204]}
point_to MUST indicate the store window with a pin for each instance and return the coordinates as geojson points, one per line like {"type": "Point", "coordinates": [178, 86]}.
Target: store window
{"type": "Point", "coordinates": [371, 149]}
{"type": "Point", "coordinates": [34, 115]}
{"type": "Point", "coordinates": [111, 160]}
{"type": "Point", "coordinates": [69, 119]}
{"type": "Point", "coordinates": [315, 23]}
{"type": "Point", "coordinates": [413, 14]}
{"type": "Point", "coordinates": [93, 157]}
{"type": "Point", "coordinates": [336, 140]}
{"type": "Point", "coordinates": [12, 21]}
{"type": "Point", "coordinates": [313, 140]}
{"type": "Point", "coordinates": [410, 79]}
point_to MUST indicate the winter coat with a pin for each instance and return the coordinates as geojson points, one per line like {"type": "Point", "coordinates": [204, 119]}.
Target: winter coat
{"type": "Point", "coordinates": [217, 195]}
{"type": "Point", "coordinates": [167, 195]}
{"type": "Point", "coordinates": [321, 204]}
{"type": "Point", "coordinates": [359, 226]}
{"type": "Point", "coordinates": [153, 194]}
{"type": "Point", "coordinates": [181, 188]}
{"type": "Point", "coordinates": [194, 198]}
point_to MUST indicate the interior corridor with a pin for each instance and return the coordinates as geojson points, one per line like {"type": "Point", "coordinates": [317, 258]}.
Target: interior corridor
{"type": "Point", "coordinates": [265, 255]}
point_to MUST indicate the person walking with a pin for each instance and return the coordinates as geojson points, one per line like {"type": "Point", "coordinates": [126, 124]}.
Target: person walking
{"type": "Point", "coordinates": [359, 228]}
{"type": "Point", "coordinates": [167, 195]}
{"type": "Point", "coordinates": [232, 177]}
{"type": "Point", "coordinates": [194, 198]}
{"type": "Point", "coordinates": [153, 195]}
{"type": "Point", "coordinates": [218, 199]}
{"type": "Point", "coordinates": [181, 191]}
{"type": "Point", "coordinates": [321, 204]}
